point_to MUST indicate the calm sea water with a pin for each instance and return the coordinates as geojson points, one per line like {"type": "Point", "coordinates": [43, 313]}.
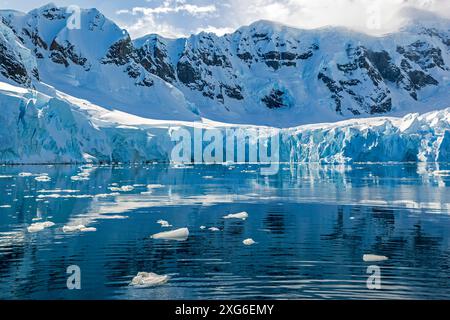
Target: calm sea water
{"type": "Point", "coordinates": [312, 225]}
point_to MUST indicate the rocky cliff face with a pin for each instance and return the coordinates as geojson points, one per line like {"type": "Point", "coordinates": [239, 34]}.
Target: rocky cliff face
{"type": "Point", "coordinates": [264, 73]}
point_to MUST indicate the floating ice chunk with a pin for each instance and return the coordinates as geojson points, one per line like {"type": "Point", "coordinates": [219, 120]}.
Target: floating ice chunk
{"type": "Point", "coordinates": [148, 279]}
{"type": "Point", "coordinates": [214, 229]}
{"type": "Point", "coordinates": [127, 188]}
{"type": "Point", "coordinates": [57, 190]}
{"type": "Point", "coordinates": [441, 173]}
{"type": "Point", "coordinates": [5, 177]}
{"type": "Point", "coordinates": [146, 193]}
{"type": "Point", "coordinates": [179, 235]}
{"type": "Point", "coordinates": [90, 229]}
{"type": "Point", "coordinates": [5, 206]}
{"type": "Point", "coordinates": [248, 242]}
{"type": "Point", "coordinates": [74, 228]}
{"type": "Point", "coordinates": [208, 177]}
{"type": "Point", "coordinates": [39, 226]}
{"type": "Point", "coordinates": [374, 258]}
{"type": "Point", "coordinates": [164, 223]}
{"type": "Point", "coordinates": [123, 188]}
{"type": "Point", "coordinates": [78, 178]}
{"type": "Point", "coordinates": [202, 227]}
{"type": "Point", "coordinates": [154, 186]}
{"type": "Point", "coordinates": [108, 217]}
{"type": "Point", "coordinates": [43, 178]}
{"type": "Point", "coordinates": [241, 215]}
{"type": "Point", "coordinates": [25, 174]}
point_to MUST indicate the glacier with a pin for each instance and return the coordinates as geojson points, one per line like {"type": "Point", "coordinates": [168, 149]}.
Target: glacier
{"type": "Point", "coordinates": [40, 128]}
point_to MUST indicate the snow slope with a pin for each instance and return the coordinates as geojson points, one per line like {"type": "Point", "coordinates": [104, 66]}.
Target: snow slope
{"type": "Point", "coordinates": [39, 128]}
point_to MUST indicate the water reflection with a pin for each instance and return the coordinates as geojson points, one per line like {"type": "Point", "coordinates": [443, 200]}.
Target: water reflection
{"type": "Point", "coordinates": [312, 223]}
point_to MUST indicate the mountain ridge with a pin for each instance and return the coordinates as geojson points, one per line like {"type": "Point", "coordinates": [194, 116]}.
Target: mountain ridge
{"type": "Point", "coordinates": [265, 73]}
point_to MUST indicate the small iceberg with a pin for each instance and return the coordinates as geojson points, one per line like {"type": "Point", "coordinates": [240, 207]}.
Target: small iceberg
{"type": "Point", "coordinates": [164, 223]}
{"type": "Point", "coordinates": [43, 178]}
{"type": "Point", "coordinates": [249, 242]}
{"type": "Point", "coordinates": [39, 226]}
{"type": "Point", "coordinates": [5, 206]}
{"type": "Point", "coordinates": [148, 279]}
{"type": "Point", "coordinates": [25, 174]}
{"type": "Point", "coordinates": [123, 189]}
{"type": "Point", "coordinates": [214, 229]}
{"type": "Point", "coordinates": [78, 228]}
{"type": "Point", "coordinates": [374, 258]}
{"type": "Point", "coordinates": [241, 215]}
{"type": "Point", "coordinates": [202, 227]}
{"type": "Point", "coordinates": [179, 235]}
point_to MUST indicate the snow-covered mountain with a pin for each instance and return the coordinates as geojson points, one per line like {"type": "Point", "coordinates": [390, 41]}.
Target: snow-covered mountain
{"type": "Point", "coordinates": [94, 94]}
{"type": "Point", "coordinates": [265, 73]}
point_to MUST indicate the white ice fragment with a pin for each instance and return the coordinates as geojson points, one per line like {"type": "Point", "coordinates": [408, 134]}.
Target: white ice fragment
{"type": "Point", "coordinates": [154, 186]}
{"type": "Point", "coordinates": [148, 279]}
{"type": "Point", "coordinates": [43, 178]}
{"type": "Point", "coordinates": [202, 227]}
{"type": "Point", "coordinates": [73, 228]}
{"type": "Point", "coordinates": [164, 223]}
{"type": "Point", "coordinates": [123, 188]}
{"type": "Point", "coordinates": [25, 174]}
{"type": "Point", "coordinates": [5, 206]}
{"type": "Point", "coordinates": [5, 177]}
{"type": "Point", "coordinates": [78, 178]}
{"type": "Point", "coordinates": [214, 229]}
{"type": "Point", "coordinates": [39, 226]}
{"type": "Point", "coordinates": [90, 229]}
{"type": "Point", "coordinates": [374, 258]}
{"type": "Point", "coordinates": [179, 235]}
{"type": "Point", "coordinates": [248, 242]}
{"type": "Point", "coordinates": [241, 215]}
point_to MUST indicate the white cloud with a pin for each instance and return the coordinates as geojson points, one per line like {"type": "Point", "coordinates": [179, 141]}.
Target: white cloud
{"type": "Point", "coordinates": [181, 17]}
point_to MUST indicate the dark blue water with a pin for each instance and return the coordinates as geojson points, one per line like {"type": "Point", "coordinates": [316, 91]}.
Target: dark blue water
{"type": "Point", "coordinates": [312, 225]}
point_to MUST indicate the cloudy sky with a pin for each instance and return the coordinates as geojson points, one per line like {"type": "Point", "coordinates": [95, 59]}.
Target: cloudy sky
{"type": "Point", "coordinates": [174, 18]}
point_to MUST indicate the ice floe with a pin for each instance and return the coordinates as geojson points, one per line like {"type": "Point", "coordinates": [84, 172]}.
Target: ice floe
{"type": "Point", "coordinates": [39, 226]}
{"type": "Point", "coordinates": [214, 229]}
{"type": "Point", "coordinates": [43, 178]}
{"type": "Point", "coordinates": [154, 186]}
{"type": "Point", "coordinates": [179, 235]}
{"type": "Point", "coordinates": [148, 279]}
{"type": "Point", "coordinates": [78, 228]}
{"type": "Point", "coordinates": [241, 215]}
{"type": "Point", "coordinates": [5, 206]}
{"type": "Point", "coordinates": [374, 258]}
{"type": "Point", "coordinates": [5, 177]}
{"type": "Point", "coordinates": [249, 242]}
{"type": "Point", "coordinates": [25, 174]}
{"type": "Point", "coordinates": [123, 188]}
{"type": "Point", "coordinates": [164, 223]}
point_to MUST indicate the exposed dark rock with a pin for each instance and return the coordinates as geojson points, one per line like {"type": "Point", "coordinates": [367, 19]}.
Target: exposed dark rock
{"type": "Point", "coordinates": [11, 68]}
{"type": "Point", "coordinates": [383, 62]}
{"type": "Point", "coordinates": [186, 73]}
{"type": "Point", "coordinates": [233, 92]}
{"type": "Point", "coordinates": [275, 99]}
{"type": "Point", "coordinates": [120, 52]}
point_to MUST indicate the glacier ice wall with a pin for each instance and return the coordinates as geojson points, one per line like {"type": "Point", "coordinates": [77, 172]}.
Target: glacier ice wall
{"type": "Point", "coordinates": [37, 128]}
